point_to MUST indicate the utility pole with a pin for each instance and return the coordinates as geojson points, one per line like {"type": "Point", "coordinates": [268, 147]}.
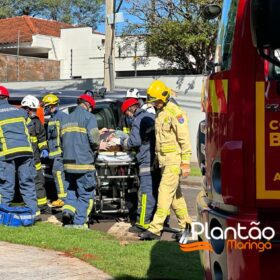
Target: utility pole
{"type": "Point", "coordinates": [109, 60]}
{"type": "Point", "coordinates": [18, 41]}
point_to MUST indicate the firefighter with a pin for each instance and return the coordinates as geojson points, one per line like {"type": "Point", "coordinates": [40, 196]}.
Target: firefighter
{"type": "Point", "coordinates": [126, 121]}
{"type": "Point", "coordinates": [80, 141]}
{"type": "Point", "coordinates": [40, 148]}
{"type": "Point", "coordinates": [142, 138]}
{"type": "Point", "coordinates": [173, 151]}
{"type": "Point", "coordinates": [50, 103]}
{"type": "Point", "coordinates": [16, 155]}
{"type": "Point", "coordinates": [134, 93]}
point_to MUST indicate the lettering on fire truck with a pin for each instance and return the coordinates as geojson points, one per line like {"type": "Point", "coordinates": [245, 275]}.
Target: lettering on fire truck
{"type": "Point", "coordinates": [274, 140]}
{"type": "Point", "coordinates": [274, 134]}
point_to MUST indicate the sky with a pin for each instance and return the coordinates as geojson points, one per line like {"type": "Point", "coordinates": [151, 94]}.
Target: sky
{"type": "Point", "coordinates": [120, 26]}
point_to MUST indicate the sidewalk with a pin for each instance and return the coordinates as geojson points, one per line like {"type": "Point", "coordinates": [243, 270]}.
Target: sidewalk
{"type": "Point", "coordinates": [19, 262]}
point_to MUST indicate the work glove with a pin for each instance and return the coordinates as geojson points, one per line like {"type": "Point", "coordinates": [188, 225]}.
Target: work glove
{"type": "Point", "coordinates": [185, 170]}
{"type": "Point", "coordinates": [44, 154]}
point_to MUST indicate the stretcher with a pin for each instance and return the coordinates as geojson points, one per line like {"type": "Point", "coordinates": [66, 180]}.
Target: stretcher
{"type": "Point", "coordinates": [117, 179]}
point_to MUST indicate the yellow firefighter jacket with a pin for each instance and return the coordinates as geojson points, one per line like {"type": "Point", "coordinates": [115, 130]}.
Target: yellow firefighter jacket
{"type": "Point", "coordinates": [172, 136]}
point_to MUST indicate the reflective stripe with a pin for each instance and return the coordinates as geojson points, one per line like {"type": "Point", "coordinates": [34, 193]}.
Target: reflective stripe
{"type": "Point", "coordinates": [126, 130]}
{"type": "Point", "coordinates": [62, 195]}
{"type": "Point", "coordinates": [145, 169]}
{"type": "Point", "coordinates": [69, 208]}
{"type": "Point", "coordinates": [38, 213]}
{"type": "Point", "coordinates": [73, 129]}
{"type": "Point", "coordinates": [143, 209]}
{"type": "Point", "coordinates": [3, 140]}
{"type": "Point", "coordinates": [186, 157]}
{"type": "Point", "coordinates": [33, 139]}
{"type": "Point", "coordinates": [42, 144]}
{"type": "Point", "coordinates": [162, 212]}
{"type": "Point", "coordinates": [168, 149]}
{"type": "Point", "coordinates": [181, 213]}
{"type": "Point", "coordinates": [5, 150]}
{"type": "Point", "coordinates": [58, 152]}
{"type": "Point", "coordinates": [60, 184]}
{"type": "Point", "coordinates": [12, 120]}
{"type": "Point", "coordinates": [26, 217]}
{"type": "Point", "coordinates": [38, 166]}
{"type": "Point", "coordinates": [79, 166]}
{"type": "Point", "coordinates": [90, 206]}
{"type": "Point", "coordinates": [17, 204]}
{"type": "Point", "coordinates": [42, 201]}
{"type": "Point", "coordinates": [16, 150]}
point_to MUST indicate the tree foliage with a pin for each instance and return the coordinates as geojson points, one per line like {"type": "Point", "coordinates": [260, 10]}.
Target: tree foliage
{"type": "Point", "coordinates": [176, 31]}
{"type": "Point", "coordinates": [86, 12]}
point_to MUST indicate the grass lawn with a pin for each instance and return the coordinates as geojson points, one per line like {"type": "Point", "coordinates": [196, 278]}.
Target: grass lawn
{"type": "Point", "coordinates": [138, 260]}
{"type": "Point", "coordinates": [195, 171]}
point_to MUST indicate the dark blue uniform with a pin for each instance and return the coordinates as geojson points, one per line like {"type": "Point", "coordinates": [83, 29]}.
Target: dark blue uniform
{"type": "Point", "coordinates": [80, 141]}
{"type": "Point", "coordinates": [56, 153]}
{"type": "Point", "coordinates": [142, 137]}
{"type": "Point", "coordinates": [16, 155]}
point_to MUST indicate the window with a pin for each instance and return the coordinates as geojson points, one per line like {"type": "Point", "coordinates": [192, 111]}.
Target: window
{"type": "Point", "coordinates": [226, 34]}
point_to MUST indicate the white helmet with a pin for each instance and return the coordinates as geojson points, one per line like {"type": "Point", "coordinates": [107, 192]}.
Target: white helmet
{"type": "Point", "coordinates": [133, 93]}
{"type": "Point", "coordinates": [30, 102]}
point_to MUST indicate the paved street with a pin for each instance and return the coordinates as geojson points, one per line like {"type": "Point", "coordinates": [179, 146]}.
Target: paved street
{"type": "Point", "coordinates": [190, 189]}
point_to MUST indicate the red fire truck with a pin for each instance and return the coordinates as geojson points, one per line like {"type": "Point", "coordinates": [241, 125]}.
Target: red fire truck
{"type": "Point", "coordinates": [241, 100]}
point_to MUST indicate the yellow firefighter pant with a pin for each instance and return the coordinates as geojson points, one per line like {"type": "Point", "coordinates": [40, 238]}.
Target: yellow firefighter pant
{"type": "Point", "coordinates": [170, 195]}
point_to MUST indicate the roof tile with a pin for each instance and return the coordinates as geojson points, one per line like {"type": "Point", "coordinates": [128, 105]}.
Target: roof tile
{"type": "Point", "coordinates": [26, 26]}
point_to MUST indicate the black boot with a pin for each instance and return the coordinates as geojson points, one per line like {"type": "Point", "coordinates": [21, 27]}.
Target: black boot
{"type": "Point", "coordinates": [67, 219]}
{"type": "Point", "coordinates": [136, 229]}
{"type": "Point", "coordinates": [187, 233]}
{"type": "Point", "coordinates": [177, 236]}
{"type": "Point", "coordinates": [46, 210]}
{"type": "Point", "coordinates": [147, 235]}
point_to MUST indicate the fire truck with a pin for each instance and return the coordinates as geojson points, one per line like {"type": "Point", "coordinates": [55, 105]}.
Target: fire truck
{"type": "Point", "coordinates": [240, 154]}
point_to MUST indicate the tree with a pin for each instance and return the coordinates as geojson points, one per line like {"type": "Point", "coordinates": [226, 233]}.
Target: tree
{"type": "Point", "coordinates": [85, 12]}
{"type": "Point", "coordinates": [176, 32]}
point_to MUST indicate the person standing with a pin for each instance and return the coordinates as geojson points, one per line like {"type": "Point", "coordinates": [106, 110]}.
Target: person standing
{"type": "Point", "coordinates": [142, 138]}
{"type": "Point", "coordinates": [173, 150]}
{"type": "Point", "coordinates": [16, 155]}
{"type": "Point", "coordinates": [50, 103]}
{"type": "Point", "coordinates": [40, 148]}
{"type": "Point", "coordinates": [80, 141]}
{"type": "Point", "coordinates": [125, 122]}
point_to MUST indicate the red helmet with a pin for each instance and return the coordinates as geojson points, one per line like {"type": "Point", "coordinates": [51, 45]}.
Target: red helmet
{"type": "Point", "coordinates": [128, 103]}
{"type": "Point", "coordinates": [4, 91]}
{"type": "Point", "coordinates": [88, 99]}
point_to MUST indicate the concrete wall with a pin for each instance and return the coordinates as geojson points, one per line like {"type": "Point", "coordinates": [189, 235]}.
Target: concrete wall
{"type": "Point", "coordinates": [13, 68]}
{"type": "Point", "coordinates": [87, 58]}
{"type": "Point", "coordinates": [52, 43]}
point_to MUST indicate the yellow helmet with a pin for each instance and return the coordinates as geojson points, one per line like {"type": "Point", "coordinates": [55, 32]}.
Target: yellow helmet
{"type": "Point", "coordinates": [50, 99]}
{"type": "Point", "coordinates": [158, 91]}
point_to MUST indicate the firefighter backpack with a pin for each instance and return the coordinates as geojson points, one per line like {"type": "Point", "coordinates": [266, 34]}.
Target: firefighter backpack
{"type": "Point", "coordinates": [16, 216]}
